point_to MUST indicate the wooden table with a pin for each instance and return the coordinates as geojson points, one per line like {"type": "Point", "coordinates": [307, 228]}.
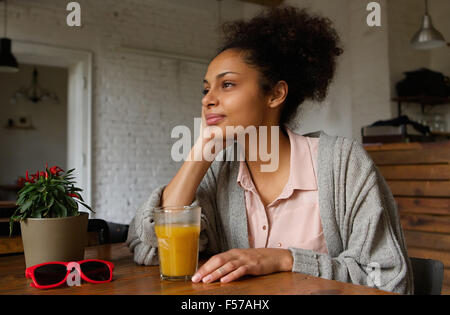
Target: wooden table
{"type": "Point", "coordinates": [130, 278]}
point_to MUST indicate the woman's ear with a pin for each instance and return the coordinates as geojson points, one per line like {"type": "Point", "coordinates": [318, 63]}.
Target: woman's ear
{"type": "Point", "coordinates": [279, 94]}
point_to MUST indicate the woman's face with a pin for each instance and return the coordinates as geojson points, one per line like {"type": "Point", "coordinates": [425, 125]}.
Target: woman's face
{"type": "Point", "coordinates": [231, 89]}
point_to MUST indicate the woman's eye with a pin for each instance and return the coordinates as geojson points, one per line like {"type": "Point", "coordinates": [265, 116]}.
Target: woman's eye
{"type": "Point", "coordinates": [227, 84]}
{"type": "Point", "coordinates": [224, 85]}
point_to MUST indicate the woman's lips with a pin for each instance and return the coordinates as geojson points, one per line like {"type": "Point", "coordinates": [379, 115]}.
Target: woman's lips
{"type": "Point", "coordinates": [214, 119]}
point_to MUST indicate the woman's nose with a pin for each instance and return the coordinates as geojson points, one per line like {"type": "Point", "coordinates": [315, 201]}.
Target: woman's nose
{"type": "Point", "coordinates": [209, 100]}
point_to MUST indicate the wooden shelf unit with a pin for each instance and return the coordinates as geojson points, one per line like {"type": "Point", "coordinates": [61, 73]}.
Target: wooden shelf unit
{"type": "Point", "coordinates": [421, 100]}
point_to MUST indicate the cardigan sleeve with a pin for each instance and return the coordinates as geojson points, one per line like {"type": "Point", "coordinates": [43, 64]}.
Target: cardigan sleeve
{"type": "Point", "coordinates": [374, 251]}
{"type": "Point", "coordinates": [141, 238]}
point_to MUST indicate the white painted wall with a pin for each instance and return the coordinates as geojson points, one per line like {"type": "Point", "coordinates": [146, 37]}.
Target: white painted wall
{"type": "Point", "coordinates": [440, 11]}
{"type": "Point", "coordinates": [334, 114]}
{"type": "Point", "coordinates": [359, 94]}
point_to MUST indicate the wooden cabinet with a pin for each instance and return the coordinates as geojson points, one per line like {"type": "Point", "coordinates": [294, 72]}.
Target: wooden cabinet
{"type": "Point", "coordinates": [419, 177]}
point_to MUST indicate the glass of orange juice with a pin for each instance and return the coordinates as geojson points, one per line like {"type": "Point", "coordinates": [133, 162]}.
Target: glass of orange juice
{"type": "Point", "coordinates": [178, 231]}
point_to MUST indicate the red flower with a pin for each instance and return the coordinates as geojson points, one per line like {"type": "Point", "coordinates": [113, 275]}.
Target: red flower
{"type": "Point", "coordinates": [34, 177]}
{"type": "Point", "coordinates": [73, 195]}
{"type": "Point", "coordinates": [55, 170]}
{"type": "Point", "coordinates": [30, 180]}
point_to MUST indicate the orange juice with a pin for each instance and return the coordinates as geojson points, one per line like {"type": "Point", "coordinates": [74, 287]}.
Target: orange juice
{"type": "Point", "coordinates": [178, 249]}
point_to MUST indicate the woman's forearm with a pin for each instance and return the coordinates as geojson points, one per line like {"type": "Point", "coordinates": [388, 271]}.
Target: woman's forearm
{"type": "Point", "coordinates": [182, 188]}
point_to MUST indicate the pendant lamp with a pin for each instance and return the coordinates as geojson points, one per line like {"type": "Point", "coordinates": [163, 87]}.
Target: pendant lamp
{"type": "Point", "coordinates": [427, 37]}
{"type": "Point", "coordinates": [8, 62]}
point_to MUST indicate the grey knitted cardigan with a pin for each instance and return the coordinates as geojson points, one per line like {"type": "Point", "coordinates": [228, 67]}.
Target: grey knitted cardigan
{"type": "Point", "coordinates": [359, 216]}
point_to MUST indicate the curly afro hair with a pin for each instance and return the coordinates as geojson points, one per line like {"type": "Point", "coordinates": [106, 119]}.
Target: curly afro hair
{"type": "Point", "coordinates": [290, 44]}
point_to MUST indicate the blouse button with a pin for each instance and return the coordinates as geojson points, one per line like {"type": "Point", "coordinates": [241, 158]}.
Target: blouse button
{"type": "Point", "coordinates": [264, 227]}
{"type": "Point", "coordinates": [279, 245]}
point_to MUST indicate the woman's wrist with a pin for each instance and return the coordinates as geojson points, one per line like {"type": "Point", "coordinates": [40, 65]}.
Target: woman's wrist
{"type": "Point", "coordinates": [182, 188]}
{"type": "Point", "coordinates": [286, 261]}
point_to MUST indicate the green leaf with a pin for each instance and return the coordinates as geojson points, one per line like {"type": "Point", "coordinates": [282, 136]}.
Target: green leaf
{"type": "Point", "coordinates": [71, 201]}
{"type": "Point", "coordinates": [74, 210]}
{"type": "Point", "coordinates": [12, 220]}
{"type": "Point", "coordinates": [49, 210]}
{"type": "Point", "coordinates": [57, 181]}
{"type": "Point", "coordinates": [63, 209]}
{"type": "Point", "coordinates": [27, 189]}
{"type": "Point", "coordinates": [86, 206]}
{"type": "Point", "coordinates": [26, 206]}
{"type": "Point", "coordinates": [60, 188]}
{"type": "Point", "coordinates": [37, 213]}
{"type": "Point", "coordinates": [21, 199]}
{"type": "Point", "coordinates": [11, 225]}
{"type": "Point", "coordinates": [50, 204]}
{"type": "Point", "coordinates": [55, 211]}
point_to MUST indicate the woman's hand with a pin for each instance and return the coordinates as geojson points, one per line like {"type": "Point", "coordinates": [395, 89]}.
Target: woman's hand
{"type": "Point", "coordinates": [235, 263]}
{"type": "Point", "coordinates": [210, 143]}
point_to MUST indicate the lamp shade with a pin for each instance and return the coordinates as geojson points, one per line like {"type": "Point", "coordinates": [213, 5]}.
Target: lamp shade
{"type": "Point", "coordinates": [428, 37]}
{"type": "Point", "coordinates": [8, 62]}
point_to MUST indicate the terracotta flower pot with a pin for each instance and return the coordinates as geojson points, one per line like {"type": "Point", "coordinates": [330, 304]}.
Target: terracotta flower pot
{"type": "Point", "coordinates": [54, 239]}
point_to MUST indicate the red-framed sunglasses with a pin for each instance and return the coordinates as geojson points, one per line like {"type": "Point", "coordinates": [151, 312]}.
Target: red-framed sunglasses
{"type": "Point", "coordinates": [53, 274]}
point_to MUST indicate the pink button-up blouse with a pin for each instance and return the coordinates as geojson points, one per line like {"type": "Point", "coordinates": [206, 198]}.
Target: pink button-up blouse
{"type": "Point", "coordinates": [293, 218]}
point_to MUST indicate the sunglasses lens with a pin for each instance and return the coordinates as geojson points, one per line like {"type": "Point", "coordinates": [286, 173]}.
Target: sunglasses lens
{"type": "Point", "coordinates": [50, 274]}
{"type": "Point", "coordinates": [96, 270]}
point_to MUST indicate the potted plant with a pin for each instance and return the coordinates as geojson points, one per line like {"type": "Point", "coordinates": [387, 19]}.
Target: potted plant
{"type": "Point", "coordinates": [52, 227]}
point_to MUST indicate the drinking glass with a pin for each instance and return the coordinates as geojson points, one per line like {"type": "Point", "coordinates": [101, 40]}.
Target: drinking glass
{"type": "Point", "coordinates": [178, 231]}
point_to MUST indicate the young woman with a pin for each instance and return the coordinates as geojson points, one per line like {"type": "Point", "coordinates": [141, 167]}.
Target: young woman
{"type": "Point", "coordinates": [325, 211]}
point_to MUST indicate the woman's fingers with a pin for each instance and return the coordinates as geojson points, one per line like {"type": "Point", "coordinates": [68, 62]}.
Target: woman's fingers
{"type": "Point", "coordinates": [221, 271]}
{"type": "Point", "coordinates": [213, 265]}
{"type": "Point", "coordinates": [203, 124]}
{"type": "Point", "coordinates": [234, 275]}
